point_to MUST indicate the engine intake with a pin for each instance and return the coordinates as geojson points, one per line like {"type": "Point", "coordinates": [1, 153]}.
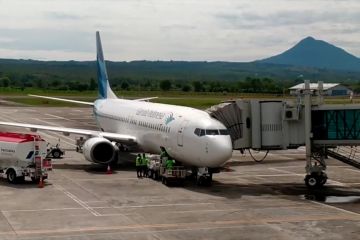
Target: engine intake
{"type": "Point", "coordinates": [99, 150]}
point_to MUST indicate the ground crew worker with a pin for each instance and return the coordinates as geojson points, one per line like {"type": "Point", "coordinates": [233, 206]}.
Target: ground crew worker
{"type": "Point", "coordinates": [138, 166]}
{"type": "Point", "coordinates": [169, 164]}
{"type": "Point", "coordinates": [145, 161]}
{"type": "Point", "coordinates": [163, 155]}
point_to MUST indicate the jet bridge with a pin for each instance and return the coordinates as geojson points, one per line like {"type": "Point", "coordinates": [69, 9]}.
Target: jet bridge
{"type": "Point", "coordinates": [262, 124]}
{"type": "Point", "coordinates": [325, 129]}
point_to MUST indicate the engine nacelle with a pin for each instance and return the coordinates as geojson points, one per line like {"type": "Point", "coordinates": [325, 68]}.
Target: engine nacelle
{"type": "Point", "coordinates": [99, 150]}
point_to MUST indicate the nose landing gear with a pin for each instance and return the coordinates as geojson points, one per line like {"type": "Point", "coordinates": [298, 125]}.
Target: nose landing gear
{"type": "Point", "coordinates": [203, 176]}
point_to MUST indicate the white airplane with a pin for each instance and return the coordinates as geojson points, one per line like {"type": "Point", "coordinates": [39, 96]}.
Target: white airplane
{"type": "Point", "coordinates": [188, 135]}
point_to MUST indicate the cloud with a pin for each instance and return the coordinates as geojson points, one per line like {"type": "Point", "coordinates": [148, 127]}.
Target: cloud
{"type": "Point", "coordinates": [63, 16]}
{"type": "Point", "coordinates": [236, 30]}
{"type": "Point", "coordinates": [46, 39]}
{"type": "Point", "coordinates": [285, 18]}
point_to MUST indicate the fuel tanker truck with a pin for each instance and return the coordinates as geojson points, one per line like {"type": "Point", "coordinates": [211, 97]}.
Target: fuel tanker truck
{"type": "Point", "coordinates": [23, 155]}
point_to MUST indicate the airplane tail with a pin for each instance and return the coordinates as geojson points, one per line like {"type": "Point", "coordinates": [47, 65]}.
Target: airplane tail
{"type": "Point", "coordinates": [103, 80]}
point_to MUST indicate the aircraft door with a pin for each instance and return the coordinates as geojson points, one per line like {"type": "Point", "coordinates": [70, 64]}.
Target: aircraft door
{"type": "Point", "coordinates": [180, 133]}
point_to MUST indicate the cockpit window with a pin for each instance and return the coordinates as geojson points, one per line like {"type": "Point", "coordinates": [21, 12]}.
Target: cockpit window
{"type": "Point", "coordinates": [202, 132]}
{"type": "Point", "coordinates": [197, 131]}
{"type": "Point", "coordinates": [212, 132]}
{"type": "Point", "coordinates": [224, 132]}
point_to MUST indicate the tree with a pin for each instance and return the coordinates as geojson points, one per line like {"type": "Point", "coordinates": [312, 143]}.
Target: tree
{"type": "Point", "coordinates": [5, 81]}
{"type": "Point", "coordinates": [198, 87]}
{"type": "Point", "coordinates": [165, 85]}
{"type": "Point", "coordinates": [92, 85]}
{"type": "Point", "coordinates": [125, 85]}
{"type": "Point", "coordinates": [186, 88]}
{"type": "Point", "coordinates": [55, 83]}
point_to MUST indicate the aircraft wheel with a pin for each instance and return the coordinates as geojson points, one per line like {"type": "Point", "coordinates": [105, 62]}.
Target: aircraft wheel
{"type": "Point", "coordinates": [200, 181]}
{"type": "Point", "coordinates": [11, 176]}
{"type": "Point", "coordinates": [313, 181]}
{"type": "Point", "coordinates": [56, 153]}
{"type": "Point", "coordinates": [151, 173]}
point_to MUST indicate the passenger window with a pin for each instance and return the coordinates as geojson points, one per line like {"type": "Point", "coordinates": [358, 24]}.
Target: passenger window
{"type": "Point", "coordinates": [212, 132]}
{"type": "Point", "coordinates": [224, 132]}
{"type": "Point", "coordinates": [202, 132]}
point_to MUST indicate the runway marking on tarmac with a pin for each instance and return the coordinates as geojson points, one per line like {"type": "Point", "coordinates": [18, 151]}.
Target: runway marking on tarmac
{"type": "Point", "coordinates": [41, 210]}
{"type": "Point", "coordinates": [55, 116]}
{"type": "Point", "coordinates": [333, 182]}
{"type": "Point", "coordinates": [323, 204]}
{"type": "Point", "coordinates": [161, 205]}
{"type": "Point", "coordinates": [191, 226]}
{"type": "Point", "coordinates": [78, 201]}
{"type": "Point", "coordinates": [275, 175]}
{"type": "Point", "coordinates": [353, 170]}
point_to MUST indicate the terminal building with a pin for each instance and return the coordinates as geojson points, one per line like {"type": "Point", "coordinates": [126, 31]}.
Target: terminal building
{"type": "Point", "coordinates": [329, 89]}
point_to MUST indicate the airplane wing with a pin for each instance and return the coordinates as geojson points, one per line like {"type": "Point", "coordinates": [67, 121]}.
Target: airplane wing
{"type": "Point", "coordinates": [81, 102]}
{"type": "Point", "coordinates": [121, 138]}
{"type": "Point", "coordinates": [62, 99]}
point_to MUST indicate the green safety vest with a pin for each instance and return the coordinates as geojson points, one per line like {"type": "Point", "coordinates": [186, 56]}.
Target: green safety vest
{"type": "Point", "coordinates": [138, 161]}
{"type": "Point", "coordinates": [169, 164]}
{"type": "Point", "coordinates": [143, 161]}
{"type": "Point", "coordinates": [163, 154]}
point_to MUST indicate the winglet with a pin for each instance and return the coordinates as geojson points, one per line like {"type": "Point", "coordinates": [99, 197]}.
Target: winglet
{"type": "Point", "coordinates": [103, 80]}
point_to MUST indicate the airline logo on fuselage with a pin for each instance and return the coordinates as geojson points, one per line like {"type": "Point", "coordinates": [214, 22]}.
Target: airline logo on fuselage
{"type": "Point", "coordinates": [150, 113]}
{"type": "Point", "coordinates": [169, 119]}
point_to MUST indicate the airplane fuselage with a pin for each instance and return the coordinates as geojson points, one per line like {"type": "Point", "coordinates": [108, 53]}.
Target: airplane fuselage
{"type": "Point", "coordinates": [189, 135]}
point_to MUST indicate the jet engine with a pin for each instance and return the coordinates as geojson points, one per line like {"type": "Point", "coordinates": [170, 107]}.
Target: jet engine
{"type": "Point", "coordinates": [99, 150]}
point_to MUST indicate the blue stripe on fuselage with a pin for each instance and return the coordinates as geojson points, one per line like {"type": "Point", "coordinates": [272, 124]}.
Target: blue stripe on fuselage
{"type": "Point", "coordinates": [102, 79]}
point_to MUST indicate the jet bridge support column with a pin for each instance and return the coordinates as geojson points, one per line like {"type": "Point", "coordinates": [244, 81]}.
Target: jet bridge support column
{"type": "Point", "coordinates": [315, 164]}
{"type": "Point", "coordinates": [307, 102]}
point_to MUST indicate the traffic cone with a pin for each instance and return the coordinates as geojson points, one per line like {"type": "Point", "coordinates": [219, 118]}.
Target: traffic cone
{"type": "Point", "coordinates": [108, 170]}
{"type": "Point", "coordinates": [41, 183]}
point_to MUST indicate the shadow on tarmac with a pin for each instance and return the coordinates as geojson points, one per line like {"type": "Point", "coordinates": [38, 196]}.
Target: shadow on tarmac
{"type": "Point", "coordinates": [293, 191]}
{"type": "Point", "coordinates": [23, 185]}
{"type": "Point", "coordinates": [265, 162]}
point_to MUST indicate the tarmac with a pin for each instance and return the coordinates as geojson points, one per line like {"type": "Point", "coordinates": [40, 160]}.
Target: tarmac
{"type": "Point", "coordinates": [247, 200]}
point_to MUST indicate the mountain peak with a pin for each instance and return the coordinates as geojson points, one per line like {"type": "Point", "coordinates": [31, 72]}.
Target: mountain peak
{"type": "Point", "coordinates": [310, 52]}
{"type": "Point", "coordinates": [308, 39]}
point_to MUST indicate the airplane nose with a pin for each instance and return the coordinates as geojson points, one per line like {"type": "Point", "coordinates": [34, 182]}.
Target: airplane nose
{"type": "Point", "coordinates": [219, 151]}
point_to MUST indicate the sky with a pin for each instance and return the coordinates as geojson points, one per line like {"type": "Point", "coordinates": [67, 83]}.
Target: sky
{"type": "Point", "coordinates": [190, 30]}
